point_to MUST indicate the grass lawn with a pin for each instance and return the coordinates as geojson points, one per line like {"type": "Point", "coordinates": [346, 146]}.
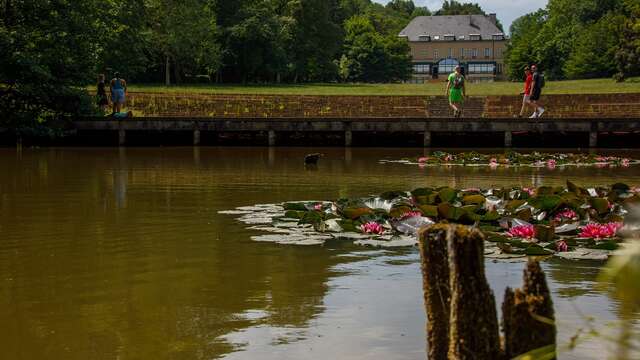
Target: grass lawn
{"type": "Point", "coordinates": [591, 86]}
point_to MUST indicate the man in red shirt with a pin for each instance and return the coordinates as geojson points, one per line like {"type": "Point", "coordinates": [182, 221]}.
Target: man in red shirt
{"type": "Point", "coordinates": [528, 81]}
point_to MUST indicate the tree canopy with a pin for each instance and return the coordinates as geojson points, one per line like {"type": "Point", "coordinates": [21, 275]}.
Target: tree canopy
{"type": "Point", "coordinates": [573, 40]}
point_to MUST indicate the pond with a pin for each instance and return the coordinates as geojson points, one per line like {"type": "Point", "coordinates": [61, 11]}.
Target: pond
{"type": "Point", "coordinates": [110, 253]}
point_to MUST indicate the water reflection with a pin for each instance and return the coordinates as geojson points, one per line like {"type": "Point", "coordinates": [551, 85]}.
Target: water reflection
{"type": "Point", "coordinates": [120, 253]}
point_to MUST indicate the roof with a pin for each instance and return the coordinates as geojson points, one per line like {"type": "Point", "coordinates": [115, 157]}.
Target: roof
{"type": "Point", "coordinates": [457, 25]}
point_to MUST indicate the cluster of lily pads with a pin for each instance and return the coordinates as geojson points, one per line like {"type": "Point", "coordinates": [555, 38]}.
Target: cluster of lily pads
{"type": "Point", "coordinates": [567, 221]}
{"type": "Point", "coordinates": [512, 158]}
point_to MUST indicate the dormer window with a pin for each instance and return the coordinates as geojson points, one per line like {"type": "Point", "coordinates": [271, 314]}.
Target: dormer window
{"type": "Point", "coordinates": [474, 37]}
{"type": "Point", "coordinates": [498, 36]}
{"type": "Point", "coordinates": [424, 38]}
{"type": "Point", "coordinates": [461, 37]}
{"type": "Point", "coordinates": [437, 37]}
{"type": "Point", "coordinates": [449, 38]}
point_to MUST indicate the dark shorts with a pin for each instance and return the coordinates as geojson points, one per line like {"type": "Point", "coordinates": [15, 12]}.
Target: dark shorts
{"type": "Point", "coordinates": [535, 95]}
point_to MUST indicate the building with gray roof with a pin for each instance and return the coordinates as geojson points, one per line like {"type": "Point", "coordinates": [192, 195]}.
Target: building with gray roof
{"type": "Point", "coordinates": [439, 43]}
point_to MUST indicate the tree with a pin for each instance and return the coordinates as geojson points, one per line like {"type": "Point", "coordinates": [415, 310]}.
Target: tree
{"type": "Point", "coordinates": [184, 32]}
{"type": "Point", "coordinates": [317, 39]}
{"type": "Point", "coordinates": [456, 8]}
{"type": "Point", "coordinates": [124, 42]}
{"type": "Point", "coordinates": [628, 49]}
{"type": "Point", "coordinates": [47, 53]}
{"type": "Point", "coordinates": [520, 49]}
{"type": "Point", "coordinates": [371, 57]}
{"type": "Point", "coordinates": [589, 59]}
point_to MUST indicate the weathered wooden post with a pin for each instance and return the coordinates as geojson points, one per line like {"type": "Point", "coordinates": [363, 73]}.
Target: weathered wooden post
{"type": "Point", "coordinates": [473, 332]}
{"type": "Point", "coordinates": [528, 318]}
{"type": "Point", "coordinates": [435, 284]}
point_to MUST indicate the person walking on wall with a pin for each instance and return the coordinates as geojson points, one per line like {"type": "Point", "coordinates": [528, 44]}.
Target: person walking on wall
{"type": "Point", "coordinates": [456, 91]}
{"type": "Point", "coordinates": [536, 91]}
{"type": "Point", "coordinates": [528, 81]}
{"type": "Point", "coordinates": [101, 95]}
{"type": "Point", "coordinates": [118, 92]}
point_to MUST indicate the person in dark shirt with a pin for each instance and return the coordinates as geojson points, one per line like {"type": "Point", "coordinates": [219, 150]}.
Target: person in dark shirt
{"type": "Point", "coordinates": [102, 99]}
{"type": "Point", "coordinates": [536, 91]}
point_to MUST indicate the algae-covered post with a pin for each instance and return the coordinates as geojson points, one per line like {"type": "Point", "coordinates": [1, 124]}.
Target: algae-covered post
{"type": "Point", "coordinates": [435, 280]}
{"type": "Point", "coordinates": [473, 332]}
{"type": "Point", "coordinates": [528, 315]}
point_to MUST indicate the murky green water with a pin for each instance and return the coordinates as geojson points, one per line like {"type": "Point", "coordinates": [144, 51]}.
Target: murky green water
{"type": "Point", "coordinates": [120, 254]}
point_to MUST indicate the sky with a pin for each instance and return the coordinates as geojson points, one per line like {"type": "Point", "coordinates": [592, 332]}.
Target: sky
{"type": "Point", "coordinates": [507, 10]}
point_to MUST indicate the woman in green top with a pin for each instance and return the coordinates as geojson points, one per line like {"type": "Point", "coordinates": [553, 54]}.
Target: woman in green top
{"type": "Point", "coordinates": [456, 91]}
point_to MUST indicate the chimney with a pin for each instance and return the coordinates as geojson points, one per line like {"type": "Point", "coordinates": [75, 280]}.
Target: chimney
{"type": "Point", "coordinates": [493, 18]}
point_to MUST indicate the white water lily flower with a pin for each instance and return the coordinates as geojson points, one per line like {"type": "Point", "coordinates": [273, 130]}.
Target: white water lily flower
{"type": "Point", "coordinates": [378, 203]}
{"type": "Point", "coordinates": [412, 225]}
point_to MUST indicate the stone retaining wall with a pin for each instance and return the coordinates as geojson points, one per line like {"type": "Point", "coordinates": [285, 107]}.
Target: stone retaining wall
{"type": "Point", "coordinates": [290, 106]}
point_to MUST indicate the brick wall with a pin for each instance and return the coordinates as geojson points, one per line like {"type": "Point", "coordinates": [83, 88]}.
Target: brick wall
{"type": "Point", "coordinates": [243, 106]}
{"type": "Point", "coordinates": [246, 106]}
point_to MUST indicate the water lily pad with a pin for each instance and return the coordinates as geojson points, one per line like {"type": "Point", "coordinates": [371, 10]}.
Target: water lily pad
{"type": "Point", "coordinates": [447, 195]}
{"type": "Point", "coordinates": [585, 254]}
{"type": "Point", "coordinates": [390, 195]}
{"type": "Point", "coordinates": [297, 206]}
{"type": "Point", "coordinates": [600, 204]}
{"type": "Point", "coordinates": [355, 213]}
{"type": "Point", "coordinates": [429, 210]}
{"type": "Point", "coordinates": [566, 229]}
{"type": "Point", "coordinates": [473, 199]}
{"type": "Point", "coordinates": [545, 233]}
{"type": "Point", "coordinates": [537, 250]}
{"type": "Point", "coordinates": [545, 202]}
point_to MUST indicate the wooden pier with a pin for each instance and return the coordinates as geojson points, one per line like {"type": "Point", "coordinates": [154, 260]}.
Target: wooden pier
{"type": "Point", "coordinates": [424, 127]}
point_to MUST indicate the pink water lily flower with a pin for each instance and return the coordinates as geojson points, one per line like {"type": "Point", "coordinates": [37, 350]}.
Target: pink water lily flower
{"type": "Point", "coordinates": [561, 246]}
{"type": "Point", "coordinates": [449, 157]}
{"type": "Point", "coordinates": [423, 159]}
{"type": "Point", "coordinates": [529, 191]}
{"type": "Point", "coordinates": [551, 164]}
{"type": "Point", "coordinates": [522, 231]}
{"type": "Point", "coordinates": [566, 214]}
{"type": "Point", "coordinates": [317, 207]}
{"type": "Point", "coordinates": [600, 231]}
{"type": "Point", "coordinates": [493, 163]}
{"type": "Point", "coordinates": [410, 214]}
{"type": "Point", "coordinates": [625, 162]}
{"type": "Point", "coordinates": [372, 227]}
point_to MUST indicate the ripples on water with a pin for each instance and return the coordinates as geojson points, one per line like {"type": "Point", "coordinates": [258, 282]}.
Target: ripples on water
{"type": "Point", "coordinates": [120, 254]}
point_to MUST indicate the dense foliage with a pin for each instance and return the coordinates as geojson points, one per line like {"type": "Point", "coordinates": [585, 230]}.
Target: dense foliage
{"type": "Point", "coordinates": [573, 40]}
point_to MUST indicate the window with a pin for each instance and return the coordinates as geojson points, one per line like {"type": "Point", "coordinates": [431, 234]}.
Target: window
{"type": "Point", "coordinates": [461, 53]}
{"type": "Point", "coordinates": [487, 52]}
{"type": "Point", "coordinates": [498, 37]}
{"type": "Point", "coordinates": [447, 66]}
{"type": "Point", "coordinates": [437, 37]}
{"type": "Point", "coordinates": [422, 68]}
{"type": "Point", "coordinates": [474, 53]}
{"type": "Point", "coordinates": [499, 53]}
{"type": "Point", "coordinates": [449, 38]}
{"type": "Point", "coordinates": [481, 68]}
{"type": "Point", "coordinates": [435, 53]}
{"type": "Point", "coordinates": [474, 37]}
{"type": "Point", "coordinates": [450, 52]}
{"type": "Point", "coordinates": [424, 38]}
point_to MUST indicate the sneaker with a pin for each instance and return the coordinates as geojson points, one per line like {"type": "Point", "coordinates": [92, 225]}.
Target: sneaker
{"type": "Point", "coordinates": [534, 115]}
{"type": "Point", "coordinates": [455, 113]}
{"type": "Point", "coordinates": [540, 112]}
